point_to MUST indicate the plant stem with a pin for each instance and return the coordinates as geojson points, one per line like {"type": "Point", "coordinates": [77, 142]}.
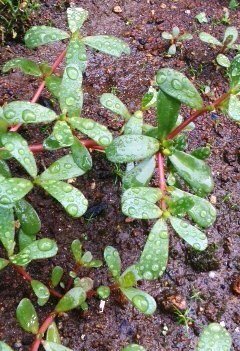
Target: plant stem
{"type": "Point", "coordinates": [198, 113]}
{"type": "Point", "coordinates": [161, 179]}
{"type": "Point", "coordinates": [42, 85]}
{"type": "Point", "coordinates": [48, 321]}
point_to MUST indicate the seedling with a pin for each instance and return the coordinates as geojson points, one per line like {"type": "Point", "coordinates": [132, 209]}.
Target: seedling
{"type": "Point", "coordinates": [233, 4]}
{"type": "Point", "coordinates": [214, 338]}
{"type": "Point", "coordinates": [201, 17]}
{"type": "Point", "coordinates": [228, 43]}
{"type": "Point", "coordinates": [176, 39]}
{"type": "Point", "coordinates": [183, 318]}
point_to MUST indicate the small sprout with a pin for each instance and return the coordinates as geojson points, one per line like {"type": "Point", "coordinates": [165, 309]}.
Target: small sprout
{"type": "Point", "coordinates": [56, 276]}
{"type": "Point", "coordinates": [201, 17]}
{"type": "Point", "coordinates": [103, 292]}
{"type": "Point", "coordinates": [176, 40]}
{"type": "Point", "coordinates": [233, 4]}
{"type": "Point", "coordinates": [183, 318]}
{"type": "Point", "coordinates": [41, 291]}
{"type": "Point", "coordinates": [53, 334]}
{"type": "Point", "coordinates": [214, 338]}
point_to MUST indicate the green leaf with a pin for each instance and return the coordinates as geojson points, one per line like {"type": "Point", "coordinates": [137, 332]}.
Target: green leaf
{"type": "Point", "coordinates": [149, 99]}
{"type": "Point", "coordinates": [4, 169]}
{"type": "Point", "coordinates": [5, 347]}
{"type": "Point", "coordinates": [71, 95]}
{"type": "Point", "coordinates": [208, 38]}
{"type": "Point", "coordinates": [189, 233]}
{"type": "Point", "coordinates": [167, 36]}
{"type": "Point", "coordinates": [140, 203]}
{"type": "Point", "coordinates": [63, 134]}
{"type": "Point", "coordinates": [81, 155]}
{"type": "Point", "coordinates": [7, 229]}
{"type": "Point", "coordinates": [108, 44]}
{"type": "Point", "coordinates": [133, 347]}
{"type": "Point", "coordinates": [53, 84]}
{"type": "Point", "coordinates": [18, 148]}
{"type": "Point", "coordinates": [76, 17]}
{"type": "Point", "coordinates": [114, 104]}
{"type": "Point", "coordinates": [72, 299]}
{"type": "Point", "coordinates": [175, 31]}
{"type": "Point", "coordinates": [87, 257]}
{"type": "Point", "coordinates": [3, 264]}
{"type": "Point", "coordinates": [153, 260]}
{"type": "Point", "coordinates": [223, 60]}
{"type": "Point", "coordinates": [167, 113]}
{"type": "Point", "coordinates": [129, 148]}
{"type": "Point", "coordinates": [172, 49]}
{"type": "Point", "coordinates": [140, 175]}
{"type": "Point", "coordinates": [56, 277]}
{"type": "Point", "coordinates": [141, 300]}
{"type": "Point", "coordinates": [92, 129]}
{"type": "Point", "coordinates": [178, 86]}
{"type": "Point", "coordinates": [201, 17]}
{"type": "Point", "coordinates": [76, 248]}
{"type": "Point", "coordinates": [27, 112]}
{"type": "Point", "coordinates": [39, 249]}
{"type": "Point", "coordinates": [28, 217]}
{"type": "Point", "coordinates": [214, 338]}
{"type": "Point", "coordinates": [202, 152]}
{"type": "Point", "coordinates": [70, 198]}
{"type": "Point", "coordinates": [3, 123]}
{"type": "Point", "coordinates": [50, 143]}
{"type": "Point", "coordinates": [53, 334]}
{"type": "Point", "coordinates": [103, 292]}
{"type": "Point", "coordinates": [13, 189]}
{"type": "Point", "coordinates": [52, 346]}
{"type": "Point", "coordinates": [25, 65]}
{"type": "Point", "coordinates": [180, 206]}
{"type": "Point", "coordinates": [185, 37]}
{"type": "Point", "coordinates": [230, 36]}
{"type": "Point", "coordinates": [234, 108]}
{"type": "Point", "coordinates": [127, 279]}
{"type": "Point", "coordinates": [85, 283]}
{"type": "Point", "coordinates": [234, 71]}
{"type": "Point", "coordinates": [41, 35]}
{"type": "Point", "coordinates": [25, 240]}
{"type": "Point", "coordinates": [194, 171]}
{"type": "Point", "coordinates": [113, 261]}
{"type": "Point", "coordinates": [134, 124]}
{"type": "Point", "coordinates": [27, 316]}
{"type": "Point", "coordinates": [41, 291]}
{"type": "Point", "coordinates": [76, 53]}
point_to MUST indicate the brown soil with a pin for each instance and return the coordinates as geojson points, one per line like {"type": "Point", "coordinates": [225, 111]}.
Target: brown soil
{"type": "Point", "coordinates": [140, 24]}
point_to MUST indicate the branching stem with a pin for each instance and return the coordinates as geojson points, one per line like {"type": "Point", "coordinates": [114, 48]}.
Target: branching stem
{"type": "Point", "coordinates": [44, 327]}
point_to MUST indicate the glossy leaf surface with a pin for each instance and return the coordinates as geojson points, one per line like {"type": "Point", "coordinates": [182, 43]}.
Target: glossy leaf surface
{"type": "Point", "coordinates": [27, 316]}
{"type": "Point", "coordinates": [28, 217]}
{"type": "Point", "coordinates": [194, 171]}
{"type": "Point", "coordinates": [214, 338]}
{"type": "Point", "coordinates": [93, 130]}
{"type": "Point", "coordinates": [39, 249]}
{"type": "Point", "coordinates": [4, 169]}
{"type": "Point", "coordinates": [234, 71]}
{"type": "Point", "coordinates": [7, 229]}
{"type": "Point", "coordinates": [70, 198]}
{"type": "Point", "coordinates": [230, 35]}
{"type": "Point", "coordinates": [25, 65]}
{"type": "Point", "coordinates": [192, 235]}
{"type": "Point", "coordinates": [41, 291]}
{"type": "Point", "coordinates": [202, 152]}
{"type": "Point", "coordinates": [53, 334]}
{"type": "Point", "coordinates": [56, 276]}
{"type": "Point", "coordinates": [76, 248]}
{"type": "Point", "coordinates": [234, 108]}
{"type": "Point", "coordinates": [108, 44]}
{"type": "Point", "coordinates": [72, 299]}
{"type": "Point", "coordinates": [25, 240]}
{"type": "Point", "coordinates": [208, 38]}
{"type": "Point", "coordinates": [5, 347]}
{"type": "Point", "coordinates": [52, 346]}
{"type": "Point", "coordinates": [63, 134]}
{"type": "Point", "coordinates": [3, 264]}
{"type": "Point", "coordinates": [76, 53]}
{"type": "Point", "coordinates": [223, 60]}
{"type": "Point", "coordinates": [18, 148]}
{"type": "Point", "coordinates": [114, 104]}
{"type": "Point", "coordinates": [129, 148]}
{"type": "Point", "coordinates": [167, 113]}
{"type": "Point", "coordinates": [53, 84]}
{"type": "Point", "coordinates": [153, 260]}
{"type": "Point", "coordinates": [76, 17]}
{"type": "Point", "coordinates": [134, 347]}
{"type": "Point", "coordinates": [41, 35]}
{"type": "Point", "coordinates": [113, 261]}
{"type": "Point", "coordinates": [140, 175]}
{"type": "Point", "coordinates": [12, 190]}
{"type": "Point", "coordinates": [27, 112]}
{"type": "Point", "coordinates": [178, 86]}
{"type": "Point", "coordinates": [134, 124]}
{"type": "Point", "coordinates": [141, 300]}
{"type": "Point", "coordinates": [81, 155]}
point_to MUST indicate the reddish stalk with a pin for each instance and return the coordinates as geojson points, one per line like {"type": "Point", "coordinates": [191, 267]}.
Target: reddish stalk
{"type": "Point", "coordinates": [196, 114]}
{"type": "Point", "coordinates": [42, 85]}
{"type": "Point", "coordinates": [161, 179]}
{"type": "Point", "coordinates": [42, 330]}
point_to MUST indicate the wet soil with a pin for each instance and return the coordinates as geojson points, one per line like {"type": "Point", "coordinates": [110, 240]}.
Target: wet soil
{"type": "Point", "coordinates": [205, 284]}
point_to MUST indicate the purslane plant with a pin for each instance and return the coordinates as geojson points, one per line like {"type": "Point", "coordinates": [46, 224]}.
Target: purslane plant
{"type": "Point", "coordinates": [228, 43]}
{"type": "Point", "coordinates": [176, 39]}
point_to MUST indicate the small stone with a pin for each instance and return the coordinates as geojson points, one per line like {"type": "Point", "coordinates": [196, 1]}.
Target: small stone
{"type": "Point", "coordinates": [213, 199]}
{"type": "Point", "coordinates": [222, 323]}
{"type": "Point", "coordinates": [163, 6]}
{"type": "Point", "coordinates": [212, 274]}
{"type": "Point", "coordinates": [236, 285]}
{"type": "Point", "coordinates": [170, 301]}
{"type": "Point", "coordinates": [188, 12]}
{"type": "Point", "coordinates": [117, 9]}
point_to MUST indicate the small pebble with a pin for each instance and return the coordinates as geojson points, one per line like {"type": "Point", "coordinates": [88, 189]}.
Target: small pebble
{"type": "Point", "coordinates": [212, 274]}
{"type": "Point", "coordinates": [117, 9]}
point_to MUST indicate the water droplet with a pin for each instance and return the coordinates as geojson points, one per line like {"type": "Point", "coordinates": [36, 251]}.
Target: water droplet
{"type": "Point", "coordinates": [163, 235]}
{"type": "Point", "coordinates": [68, 165]}
{"type": "Point", "coordinates": [28, 116]}
{"type": "Point", "coordinates": [9, 114]}
{"type": "Point", "coordinates": [72, 209]}
{"type": "Point", "coordinates": [161, 78]}
{"type": "Point", "coordinates": [176, 84]}
{"type": "Point", "coordinates": [155, 267]}
{"type": "Point", "coordinates": [55, 168]}
{"type": "Point", "coordinates": [5, 200]}
{"type": "Point", "coordinates": [21, 152]}
{"type": "Point", "coordinates": [45, 245]}
{"type": "Point", "coordinates": [70, 101]}
{"type": "Point", "coordinates": [87, 124]}
{"type": "Point", "coordinates": [104, 141]}
{"type": "Point", "coordinates": [184, 224]}
{"type": "Point", "coordinates": [203, 214]}
{"type": "Point", "coordinates": [140, 302]}
{"type": "Point", "coordinates": [148, 275]}
{"type": "Point", "coordinates": [9, 146]}
{"type": "Point", "coordinates": [72, 73]}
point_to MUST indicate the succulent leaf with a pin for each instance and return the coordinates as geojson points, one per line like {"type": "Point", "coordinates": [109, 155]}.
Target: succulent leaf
{"type": "Point", "coordinates": [108, 44]}
{"type": "Point", "coordinates": [25, 65]}
{"type": "Point", "coordinates": [27, 316]}
{"type": "Point", "coordinates": [72, 299]}
{"type": "Point", "coordinates": [113, 261]}
{"type": "Point", "coordinates": [28, 217]}
{"type": "Point", "coordinates": [76, 17]}
{"type": "Point", "coordinates": [214, 338]}
{"type": "Point", "coordinates": [141, 300]}
{"type": "Point", "coordinates": [41, 35]}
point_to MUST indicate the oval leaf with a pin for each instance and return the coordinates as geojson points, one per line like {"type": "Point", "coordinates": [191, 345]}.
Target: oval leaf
{"type": "Point", "coordinates": [178, 86]}
{"type": "Point", "coordinates": [25, 65]}
{"type": "Point", "coordinates": [140, 209]}
{"type": "Point", "coordinates": [52, 346]}
{"type": "Point", "coordinates": [25, 240]}
{"type": "Point", "coordinates": [234, 71]}
{"type": "Point", "coordinates": [41, 291]}
{"type": "Point", "coordinates": [134, 125]}
{"type": "Point", "coordinates": [113, 261]}
{"type": "Point", "coordinates": [230, 36]}
{"type": "Point", "coordinates": [53, 334]}
{"type": "Point", "coordinates": [76, 53]}
{"type": "Point", "coordinates": [114, 104]}
{"type": "Point", "coordinates": [81, 155]}
{"type": "Point", "coordinates": [208, 38]}
{"type": "Point", "coordinates": [133, 347]}
{"type": "Point", "coordinates": [53, 84]}
{"type": "Point", "coordinates": [146, 193]}
{"type": "Point", "coordinates": [27, 316]}
{"type": "Point", "coordinates": [18, 148]}
{"type": "Point", "coordinates": [5, 347]}
{"type": "Point", "coordinates": [234, 108]}
{"type": "Point", "coordinates": [41, 35]}
{"type": "Point", "coordinates": [13, 189]}
{"type": "Point", "coordinates": [76, 248]}
{"type": "Point", "coordinates": [72, 299]}
{"type": "Point", "coordinates": [153, 260]}
{"type": "Point", "coordinates": [27, 112]}
{"type": "Point", "coordinates": [223, 60]}
{"type": "Point", "coordinates": [194, 171]}
{"type": "Point", "coordinates": [76, 17]}
{"type": "Point", "coordinates": [93, 130]}
{"type": "Point", "coordinates": [214, 338]}
{"type": "Point", "coordinates": [129, 148]}
{"type": "Point", "coordinates": [141, 300]}
{"type": "Point", "coordinates": [70, 198]}
{"type": "Point", "coordinates": [7, 229]}
{"type": "Point", "coordinates": [63, 134]}
{"type": "Point", "coordinates": [28, 217]}
{"type": "Point", "coordinates": [56, 277]}
{"type": "Point", "coordinates": [189, 233]}
{"type": "Point", "coordinates": [108, 44]}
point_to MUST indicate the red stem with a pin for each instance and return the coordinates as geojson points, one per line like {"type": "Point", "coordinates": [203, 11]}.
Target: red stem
{"type": "Point", "coordinates": [42, 85]}
{"type": "Point", "coordinates": [42, 330]}
{"type": "Point", "coordinates": [161, 179]}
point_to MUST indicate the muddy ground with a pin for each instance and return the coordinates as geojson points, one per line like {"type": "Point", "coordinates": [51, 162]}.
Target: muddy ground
{"type": "Point", "coordinates": [209, 296]}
